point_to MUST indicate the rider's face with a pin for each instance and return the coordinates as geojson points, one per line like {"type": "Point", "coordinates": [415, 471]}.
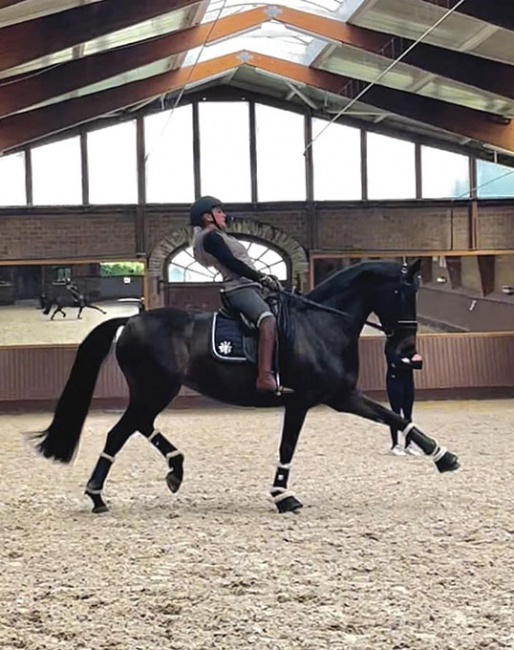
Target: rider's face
{"type": "Point", "coordinates": [219, 217]}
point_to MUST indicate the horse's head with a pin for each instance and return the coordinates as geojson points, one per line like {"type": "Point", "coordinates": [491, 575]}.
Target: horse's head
{"type": "Point", "coordinates": [395, 306]}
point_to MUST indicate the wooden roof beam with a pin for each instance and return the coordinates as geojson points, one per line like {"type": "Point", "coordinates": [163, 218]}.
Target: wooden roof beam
{"type": "Point", "coordinates": [23, 128]}
{"type": "Point", "coordinates": [23, 93]}
{"type": "Point", "coordinates": [477, 125]}
{"type": "Point", "coordinates": [494, 77]}
{"type": "Point", "coordinates": [9, 3]}
{"type": "Point", "coordinates": [33, 39]}
{"type": "Point", "coordinates": [495, 12]}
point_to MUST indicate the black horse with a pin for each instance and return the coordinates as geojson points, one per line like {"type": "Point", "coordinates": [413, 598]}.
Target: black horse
{"type": "Point", "coordinates": [162, 349]}
{"type": "Point", "coordinates": [61, 302]}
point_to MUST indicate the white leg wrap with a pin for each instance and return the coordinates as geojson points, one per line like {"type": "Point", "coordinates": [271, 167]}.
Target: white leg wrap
{"type": "Point", "coordinates": [410, 426]}
{"type": "Point", "coordinates": [284, 466]}
{"type": "Point", "coordinates": [90, 491]}
{"type": "Point", "coordinates": [107, 457]}
{"type": "Point", "coordinates": [173, 454]}
{"type": "Point", "coordinates": [282, 494]}
{"type": "Point", "coordinates": [438, 453]}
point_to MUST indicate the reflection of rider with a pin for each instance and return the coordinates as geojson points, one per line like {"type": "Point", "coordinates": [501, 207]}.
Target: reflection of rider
{"type": "Point", "coordinates": [213, 247]}
{"type": "Point", "coordinates": [74, 291]}
{"type": "Point", "coordinates": [400, 389]}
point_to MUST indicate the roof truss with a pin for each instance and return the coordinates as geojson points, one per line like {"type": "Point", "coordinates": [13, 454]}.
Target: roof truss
{"type": "Point", "coordinates": [32, 125]}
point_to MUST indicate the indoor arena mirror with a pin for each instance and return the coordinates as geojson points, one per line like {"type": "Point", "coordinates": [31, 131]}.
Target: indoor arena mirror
{"type": "Point", "coordinates": [59, 303]}
{"type": "Point", "coordinates": [458, 292]}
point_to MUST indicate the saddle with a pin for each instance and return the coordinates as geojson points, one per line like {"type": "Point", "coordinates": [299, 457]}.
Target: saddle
{"type": "Point", "coordinates": [234, 337]}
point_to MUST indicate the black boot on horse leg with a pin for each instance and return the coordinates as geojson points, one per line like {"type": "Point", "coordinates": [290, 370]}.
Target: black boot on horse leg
{"type": "Point", "coordinates": [174, 458]}
{"type": "Point", "coordinates": [444, 460]}
{"type": "Point", "coordinates": [266, 381]}
{"type": "Point", "coordinates": [96, 482]}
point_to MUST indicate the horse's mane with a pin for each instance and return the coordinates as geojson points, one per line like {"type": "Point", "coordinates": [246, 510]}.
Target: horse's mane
{"type": "Point", "coordinates": [345, 279]}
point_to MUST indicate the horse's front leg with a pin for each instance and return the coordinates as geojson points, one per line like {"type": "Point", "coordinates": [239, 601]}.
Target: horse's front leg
{"type": "Point", "coordinates": [284, 498]}
{"type": "Point", "coordinates": [359, 404]}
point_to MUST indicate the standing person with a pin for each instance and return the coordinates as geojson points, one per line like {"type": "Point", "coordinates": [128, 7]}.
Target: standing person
{"type": "Point", "coordinates": [400, 391]}
{"type": "Point", "coordinates": [242, 283]}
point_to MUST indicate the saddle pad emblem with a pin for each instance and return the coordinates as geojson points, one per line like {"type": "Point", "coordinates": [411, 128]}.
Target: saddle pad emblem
{"type": "Point", "coordinates": [228, 343]}
{"type": "Point", "coordinates": [225, 347]}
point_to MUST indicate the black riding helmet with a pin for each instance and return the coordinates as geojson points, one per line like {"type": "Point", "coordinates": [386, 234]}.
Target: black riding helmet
{"type": "Point", "coordinates": [200, 207]}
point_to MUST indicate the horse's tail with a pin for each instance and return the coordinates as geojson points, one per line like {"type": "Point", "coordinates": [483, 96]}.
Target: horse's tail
{"type": "Point", "coordinates": [61, 438]}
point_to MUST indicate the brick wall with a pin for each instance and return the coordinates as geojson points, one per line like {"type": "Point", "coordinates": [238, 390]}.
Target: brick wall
{"type": "Point", "coordinates": [112, 233]}
{"type": "Point", "coordinates": [67, 235]}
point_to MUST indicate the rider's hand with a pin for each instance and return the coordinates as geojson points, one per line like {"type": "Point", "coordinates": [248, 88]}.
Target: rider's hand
{"type": "Point", "coordinates": [270, 282]}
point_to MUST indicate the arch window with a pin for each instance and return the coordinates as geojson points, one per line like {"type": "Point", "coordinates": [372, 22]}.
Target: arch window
{"type": "Point", "coordinates": [182, 266]}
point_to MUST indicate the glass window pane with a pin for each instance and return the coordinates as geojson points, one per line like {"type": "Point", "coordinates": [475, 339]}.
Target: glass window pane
{"type": "Point", "coordinates": [176, 274]}
{"type": "Point", "coordinates": [280, 160]}
{"type": "Point", "coordinates": [182, 266]}
{"type": "Point", "coordinates": [12, 179]}
{"type": "Point", "coordinates": [169, 156]}
{"type": "Point", "coordinates": [225, 151]}
{"type": "Point", "coordinates": [255, 250]}
{"type": "Point", "coordinates": [494, 180]}
{"type": "Point", "coordinates": [391, 168]}
{"type": "Point", "coordinates": [444, 174]}
{"type": "Point", "coordinates": [279, 269]}
{"type": "Point", "coordinates": [112, 164]}
{"type": "Point", "coordinates": [57, 173]}
{"type": "Point", "coordinates": [336, 154]}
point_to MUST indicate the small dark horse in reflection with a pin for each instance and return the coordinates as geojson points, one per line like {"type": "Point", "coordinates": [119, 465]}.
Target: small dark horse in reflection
{"type": "Point", "coordinates": [59, 303]}
{"type": "Point", "coordinates": [162, 349]}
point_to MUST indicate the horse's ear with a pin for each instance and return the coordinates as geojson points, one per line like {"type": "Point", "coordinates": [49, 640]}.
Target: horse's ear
{"type": "Point", "coordinates": [414, 269]}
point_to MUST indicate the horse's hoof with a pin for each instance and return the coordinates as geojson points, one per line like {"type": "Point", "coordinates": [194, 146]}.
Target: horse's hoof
{"type": "Point", "coordinates": [291, 504]}
{"type": "Point", "coordinates": [99, 505]}
{"type": "Point", "coordinates": [285, 500]}
{"type": "Point", "coordinates": [448, 463]}
{"type": "Point", "coordinates": [173, 481]}
{"type": "Point", "coordinates": [97, 510]}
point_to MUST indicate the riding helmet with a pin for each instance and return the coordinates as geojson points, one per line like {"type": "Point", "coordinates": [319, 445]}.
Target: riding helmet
{"type": "Point", "coordinates": [200, 207]}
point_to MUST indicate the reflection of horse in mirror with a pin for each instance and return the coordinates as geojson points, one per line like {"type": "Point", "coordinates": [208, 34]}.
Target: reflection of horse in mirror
{"type": "Point", "coordinates": [62, 301]}
{"type": "Point", "coordinates": [163, 349]}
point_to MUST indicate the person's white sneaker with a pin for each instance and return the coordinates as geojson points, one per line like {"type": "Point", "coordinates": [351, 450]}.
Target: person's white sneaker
{"type": "Point", "coordinates": [413, 450]}
{"type": "Point", "coordinates": [397, 451]}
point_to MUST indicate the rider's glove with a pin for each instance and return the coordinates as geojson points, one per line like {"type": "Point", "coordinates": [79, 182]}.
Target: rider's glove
{"type": "Point", "coordinates": [270, 282]}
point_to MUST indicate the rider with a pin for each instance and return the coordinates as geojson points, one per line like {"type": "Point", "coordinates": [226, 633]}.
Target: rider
{"type": "Point", "coordinates": [74, 291]}
{"type": "Point", "coordinates": [213, 247]}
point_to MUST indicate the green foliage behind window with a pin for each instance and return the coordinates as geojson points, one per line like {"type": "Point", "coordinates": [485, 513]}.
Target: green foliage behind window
{"type": "Point", "coordinates": [116, 269]}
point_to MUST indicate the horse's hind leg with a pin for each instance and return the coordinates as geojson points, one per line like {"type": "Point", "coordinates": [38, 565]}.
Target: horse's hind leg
{"type": "Point", "coordinates": [359, 404]}
{"type": "Point", "coordinates": [116, 438]}
{"type": "Point", "coordinates": [149, 400]}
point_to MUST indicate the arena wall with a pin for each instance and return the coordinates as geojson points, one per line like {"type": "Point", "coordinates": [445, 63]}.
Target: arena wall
{"type": "Point", "coordinates": [455, 365]}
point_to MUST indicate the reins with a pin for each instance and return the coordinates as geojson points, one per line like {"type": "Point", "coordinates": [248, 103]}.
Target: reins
{"type": "Point", "coordinates": [331, 310]}
{"type": "Point", "coordinates": [388, 331]}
